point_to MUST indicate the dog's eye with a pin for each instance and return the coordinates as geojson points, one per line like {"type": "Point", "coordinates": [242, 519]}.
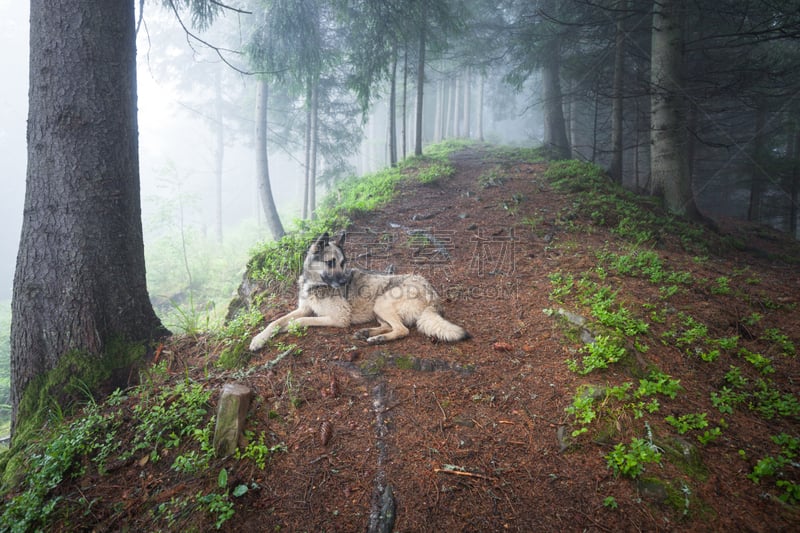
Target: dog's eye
{"type": "Point", "coordinates": [331, 263]}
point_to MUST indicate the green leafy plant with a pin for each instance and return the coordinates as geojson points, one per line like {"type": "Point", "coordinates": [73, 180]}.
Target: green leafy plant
{"type": "Point", "coordinates": [776, 336]}
{"type": "Point", "coordinates": [164, 420]}
{"type": "Point", "coordinates": [770, 402]}
{"type": "Point", "coordinates": [658, 383]}
{"type": "Point", "coordinates": [220, 504]}
{"type": "Point", "coordinates": [599, 354]}
{"type": "Point", "coordinates": [762, 363]}
{"type": "Point", "coordinates": [630, 460]}
{"type": "Point", "coordinates": [775, 467]}
{"type": "Point", "coordinates": [582, 408]}
{"type": "Point", "coordinates": [710, 435]}
{"type": "Point", "coordinates": [722, 285]}
{"type": "Point", "coordinates": [93, 435]}
{"type": "Point", "coordinates": [562, 285]}
{"type": "Point", "coordinates": [609, 502]}
{"type": "Point", "coordinates": [435, 171]}
{"type": "Point", "coordinates": [257, 450]}
{"type": "Point", "coordinates": [687, 422]}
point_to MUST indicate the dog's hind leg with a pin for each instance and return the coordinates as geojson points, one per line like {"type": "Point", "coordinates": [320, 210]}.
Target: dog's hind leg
{"type": "Point", "coordinates": [389, 319]}
{"type": "Point", "coordinates": [364, 334]}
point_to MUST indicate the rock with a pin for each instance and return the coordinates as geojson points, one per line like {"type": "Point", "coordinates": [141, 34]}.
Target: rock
{"type": "Point", "coordinates": [231, 414]}
{"type": "Point", "coordinates": [652, 489]}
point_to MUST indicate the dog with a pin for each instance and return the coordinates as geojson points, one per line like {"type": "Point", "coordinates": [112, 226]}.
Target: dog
{"type": "Point", "coordinates": [332, 294]}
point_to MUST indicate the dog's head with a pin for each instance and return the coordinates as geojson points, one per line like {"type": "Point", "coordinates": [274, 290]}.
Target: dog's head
{"type": "Point", "coordinates": [326, 261]}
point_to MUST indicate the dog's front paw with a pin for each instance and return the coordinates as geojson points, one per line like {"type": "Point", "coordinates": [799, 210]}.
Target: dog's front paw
{"type": "Point", "coordinates": [260, 340]}
{"type": "Point", "coordinates": [377, 339]}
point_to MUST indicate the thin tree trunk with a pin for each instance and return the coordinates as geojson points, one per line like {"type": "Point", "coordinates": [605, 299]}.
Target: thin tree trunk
{"type": "Point", "coordinates": [262, 163]}
{"type": "Point", "coordinates": [794, 191]}
{"type": "Point", "coordinates": [555, 132]}
{"type": "Point", "coordinates": [615, 169]}
{"type": "Point", "coordinates": [420, 82]}
{"type": "Point", "coordinates": [479, 125]}
{"type": "Point", "coordinates": [79, 285]}
{"type": "Point", "coordinates": [219, 151]}
{"type": "Point", "coordinates": [669, 161]}
{"type": "Point", "coordinates": [467, 103]}
{"type": "Point", "coordinates": [572, 122]}
{"type": "Point", "coordinates": [307, 166]}
{"type": "Point", "coordinates": [457, 110]}
{"type": "Point", "coordinates": [756, 173]}
{"type": "Point", "coordinates": [312, 175]}
{"type": "Point", "coordinates": [403, 132]}
{"type": "Point", "coordinates": [439, 123]}
{"type": "Point", "coordinates": [392, 111]}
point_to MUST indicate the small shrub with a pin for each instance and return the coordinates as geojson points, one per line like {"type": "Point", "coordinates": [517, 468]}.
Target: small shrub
{"type": "Point", "coordinates": [630, 460]}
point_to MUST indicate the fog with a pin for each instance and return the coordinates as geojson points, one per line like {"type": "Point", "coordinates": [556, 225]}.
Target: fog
{"type": "Point", "coordinates": [176, 139]}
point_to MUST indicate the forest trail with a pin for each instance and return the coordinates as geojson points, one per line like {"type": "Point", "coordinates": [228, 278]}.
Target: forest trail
{"type": "Point", "coordinates": [488, 434]}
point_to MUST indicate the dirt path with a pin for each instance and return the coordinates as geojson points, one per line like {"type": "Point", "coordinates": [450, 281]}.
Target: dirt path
{"type": "Point", "coordinates": [473, 436]}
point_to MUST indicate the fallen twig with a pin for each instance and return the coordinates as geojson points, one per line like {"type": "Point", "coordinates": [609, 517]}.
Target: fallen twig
{"type": "Point", "coordinates": [461, 473]}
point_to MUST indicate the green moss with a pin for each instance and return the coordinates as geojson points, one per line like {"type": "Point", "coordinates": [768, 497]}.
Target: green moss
{"type": "Point", "coordinates": [76, 379]}
{"type": "Point", "coordinates": [685, 456]}
{"type": "Point", "coordinates": [374, 366]}
{"type": "Point", "coordinates": [405, 362]}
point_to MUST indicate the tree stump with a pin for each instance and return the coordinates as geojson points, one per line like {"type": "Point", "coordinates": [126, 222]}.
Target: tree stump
{"type": "Point", "coordinates": [231, 414]}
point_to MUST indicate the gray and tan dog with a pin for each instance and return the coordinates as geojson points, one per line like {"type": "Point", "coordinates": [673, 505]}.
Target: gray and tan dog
{"type": "Point", "coordinates": [333, 295]}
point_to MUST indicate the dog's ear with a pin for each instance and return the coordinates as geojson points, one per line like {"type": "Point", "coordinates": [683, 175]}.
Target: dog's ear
{"type": "Point", "coordinates": [320, 244]}
{"type": "Point", "coordinates": [340, 242]}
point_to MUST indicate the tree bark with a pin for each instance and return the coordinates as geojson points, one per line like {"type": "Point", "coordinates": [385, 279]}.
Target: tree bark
{"type": "Point", "coordinates": [420, 82]}
{"type": "Point", "coordinates": [403, 133]}
{"type": "Point", "coordinates": [262, 163]}
{"type": "Point", "coordinates": [393, 111]}
{"type": "Point", "coordinates": [757, 175]}
{"type": "Point", "coordinates": [307, 174]}
{"type": "Point", "coordinates": [219, 151]}
{"type": "Point", "coordinates": [555, 131]}
{"type": "Point", "coordinates": [479, 125]}
{"type": "Point", "coordinates": [669, 162]}
{"type": "Point", "coordinates": [794, 186]}
{"type": "Point", "coordinates": [615, 168]}
{"type": "Point", "coordinates": [312, 175]}
{"type": "Point", "coordinates": [467, 102]}
{"type": "Point", "coordinates": [80, 275]}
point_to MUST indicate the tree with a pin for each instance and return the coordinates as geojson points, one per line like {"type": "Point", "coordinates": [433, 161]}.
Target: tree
{"type": "Point", "coordinates": [669, 157]}
{"type": "Point", "coordinates": [615, 169]}
{"type": "Point", "coordinates": [262, 161]}
{"type": "Point", "coordinates": [79, 284]}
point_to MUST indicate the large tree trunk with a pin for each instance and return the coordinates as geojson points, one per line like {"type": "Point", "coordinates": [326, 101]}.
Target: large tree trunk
{"type": "Point", "coordinates": [262, 163]}
{"type": "Point", "coordinates": [669, 161]}
{"type": "Point", "coordinates": [80, 277]}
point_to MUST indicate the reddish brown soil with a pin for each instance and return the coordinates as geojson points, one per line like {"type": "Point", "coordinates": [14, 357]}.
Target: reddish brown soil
{"type": "Point", "coordinates": [467, 434]}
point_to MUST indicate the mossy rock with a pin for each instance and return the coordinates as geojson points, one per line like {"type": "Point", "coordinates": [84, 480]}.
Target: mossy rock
{"type": "Point", "coordinates": [685, 456]}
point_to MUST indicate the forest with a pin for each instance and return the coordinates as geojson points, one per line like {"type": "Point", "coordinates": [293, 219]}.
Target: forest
{"type": "Point", "coordinates": [690, 108]}
{"type": "Point", "coordinates": [590, 80]}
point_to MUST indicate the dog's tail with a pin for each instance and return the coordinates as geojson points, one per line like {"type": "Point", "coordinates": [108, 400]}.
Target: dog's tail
{"type": "Point", "coordinates": [431, 323]}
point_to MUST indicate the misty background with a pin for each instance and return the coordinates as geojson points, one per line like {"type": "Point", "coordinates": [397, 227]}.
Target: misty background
{"type": "Point", "coordinates": [177, 142]}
